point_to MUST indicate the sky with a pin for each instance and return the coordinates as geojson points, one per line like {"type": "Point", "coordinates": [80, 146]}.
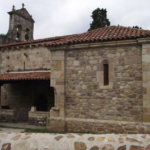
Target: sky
{"type": "Point", "coordinates": [65, 17]}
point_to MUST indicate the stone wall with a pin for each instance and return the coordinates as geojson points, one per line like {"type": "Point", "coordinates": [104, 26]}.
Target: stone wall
{"type": "Point", "coordinates": [19, 96]}
{"type": "Point", "coordinates": [8, 115]}
{"type": "Point", "coordinates": [38, 117]}
{"type": "Point", "coordinates": [25, 59]}
{"type": "Point", "coordinates": [5, 40]}
{"type": "Point", "coordinates": [86, 95]}
{"type": "Point", "coordinates": [105, 127]}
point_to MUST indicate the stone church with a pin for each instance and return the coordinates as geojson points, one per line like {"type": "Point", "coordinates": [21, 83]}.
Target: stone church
{"type": "Point", "coordinates": [97, 81]}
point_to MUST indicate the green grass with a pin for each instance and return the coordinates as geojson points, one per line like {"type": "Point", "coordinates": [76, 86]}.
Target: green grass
{"type": "Point", "coordinates": [29, 130]}
{"type": "Point", "coordinates": [47, 131]}
{"type": "Point", "coordinates": [38, 131]}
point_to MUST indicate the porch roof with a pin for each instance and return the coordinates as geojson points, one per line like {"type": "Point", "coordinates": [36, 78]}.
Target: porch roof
{"type": "Point", "coordinates": [25, 76]}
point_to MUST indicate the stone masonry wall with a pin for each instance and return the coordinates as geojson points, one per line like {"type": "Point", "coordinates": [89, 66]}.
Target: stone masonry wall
{"type": "Point", "coordinates": [20, 96]}
{"type": "Point", "coordinates": [25, 59]}
{"type": "Point", "coordinates": [105, 127]}
{"type": "Point", "coordinates": [146, 81]}
{"type": "Point", "coordinates": [5, 40]}
{"type": "Point", "coordinates": [22, 21]}
{"type": "Point", "coordinates": [86, 97]}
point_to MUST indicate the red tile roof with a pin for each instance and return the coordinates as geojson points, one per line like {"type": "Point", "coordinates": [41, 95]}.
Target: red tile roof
{"type": "Point", "coordinates": [108, 33]}
{"type": "Point", "coordinates": [25, 76]}
{"type": "Point", "coordinates": [31, 41]}
{"type": "Point", "coordinates": [102, 34]}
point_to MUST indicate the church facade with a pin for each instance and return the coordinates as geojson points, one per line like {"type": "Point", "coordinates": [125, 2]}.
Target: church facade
{"type": "Point", "coordinates": [97, 81]}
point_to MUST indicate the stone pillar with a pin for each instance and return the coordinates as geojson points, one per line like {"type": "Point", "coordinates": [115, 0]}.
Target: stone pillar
{"type": "Point", "coordinates": [146, 81]}
{"type": "Point", "coordinates": [56, 122]}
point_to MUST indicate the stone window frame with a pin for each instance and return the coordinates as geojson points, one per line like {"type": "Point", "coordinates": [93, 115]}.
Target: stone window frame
{"type": "Point", "coordinates": [100, 74]}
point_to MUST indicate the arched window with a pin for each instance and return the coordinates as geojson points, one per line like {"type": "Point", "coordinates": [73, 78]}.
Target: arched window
{"type": "Point", "coordinates": [27, 34]}
{"type": "Point", "coordinates": [19, 30]}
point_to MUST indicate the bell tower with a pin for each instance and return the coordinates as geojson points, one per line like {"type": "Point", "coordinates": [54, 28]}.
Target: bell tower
{"type": "Point", "coordinates": [21, 25]}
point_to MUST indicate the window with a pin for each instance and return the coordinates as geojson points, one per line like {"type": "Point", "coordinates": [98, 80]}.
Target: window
{"type": "Point", "coordinates": [18, 35]}
{"type": "Point", "coordinates": [106, 74]}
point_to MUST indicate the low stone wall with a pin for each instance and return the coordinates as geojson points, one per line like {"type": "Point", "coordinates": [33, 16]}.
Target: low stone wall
{"type": "Point", "coordinates": [96, 126]}
{"type": "Point", "coordinates": [38, 118]}
{"type": "Point", "coordinates": [8, 115]}
{"type": "Point", "coordinates": [104, 127]}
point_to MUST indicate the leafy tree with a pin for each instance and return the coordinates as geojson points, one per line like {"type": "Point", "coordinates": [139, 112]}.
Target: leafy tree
{"type": "Point", "coordinates": [137, 27]}
{"type": "Point", "coordinates": [99, 19]}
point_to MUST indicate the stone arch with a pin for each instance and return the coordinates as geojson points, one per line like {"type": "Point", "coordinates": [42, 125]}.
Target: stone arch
{"type": "Point", "coordinates": [105, 61]}
{"type": "Point", "coordinates": [45, 101]}
{"type": "Point", "coordinates": [18, 32]}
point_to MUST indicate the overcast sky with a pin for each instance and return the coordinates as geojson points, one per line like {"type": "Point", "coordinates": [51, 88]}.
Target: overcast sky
{"type": "Point", "coordinates": [64, 17]}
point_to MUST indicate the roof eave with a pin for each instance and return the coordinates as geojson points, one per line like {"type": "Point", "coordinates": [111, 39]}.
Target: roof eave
{"type": "Point", "coordinates": [93, 44]}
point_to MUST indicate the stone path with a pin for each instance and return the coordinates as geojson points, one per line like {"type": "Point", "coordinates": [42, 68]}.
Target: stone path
{"type": "Point", "coordinates": [36, 141]}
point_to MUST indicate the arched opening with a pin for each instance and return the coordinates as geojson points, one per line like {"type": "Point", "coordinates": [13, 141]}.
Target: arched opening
{"type": "Point", "coordinates": [42, 103]}
{"type": "Point", "coordinates": [18, 32]}
{"type": "Point", "coordinates": [27, 34]}
{"type": "Point", "coordinates": [45, 100]}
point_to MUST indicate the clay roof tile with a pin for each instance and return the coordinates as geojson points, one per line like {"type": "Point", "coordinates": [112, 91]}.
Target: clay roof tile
{"type": "Point", "coordinates": [25, 76]}
{"type": "Point", "coordinates": [102, 34]}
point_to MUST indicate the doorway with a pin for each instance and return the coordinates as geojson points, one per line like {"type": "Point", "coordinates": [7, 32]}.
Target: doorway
{"type": "Point", "coordinates": [42, 103]}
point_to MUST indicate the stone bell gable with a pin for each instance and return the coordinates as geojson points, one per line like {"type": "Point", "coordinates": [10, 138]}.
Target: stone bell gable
{"type": "Point", "coordinates": [21, 26]}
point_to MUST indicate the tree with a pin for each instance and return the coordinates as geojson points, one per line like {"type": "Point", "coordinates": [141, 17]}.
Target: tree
{"type": "Point", "coordinates": [137, 27]}
{"type": "Point", "coordinates": [99, 19]}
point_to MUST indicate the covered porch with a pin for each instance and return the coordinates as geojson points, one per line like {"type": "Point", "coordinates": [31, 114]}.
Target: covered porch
{"type": "Point", "coordinates": [26, 97]}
